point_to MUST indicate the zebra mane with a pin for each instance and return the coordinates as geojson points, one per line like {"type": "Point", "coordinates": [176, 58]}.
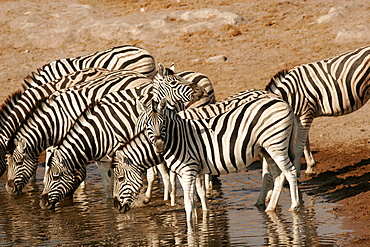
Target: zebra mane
{"type": "Point", "coordinates": [125, 143]}
{"type": "Point", "coordinates": [30, 80]}
{"type": "Point", "coordinates": [277, 78]}
{"type": "Point", "coordinates": [9, 104]}
{"type": "Point", "coordinates": [11, 145]}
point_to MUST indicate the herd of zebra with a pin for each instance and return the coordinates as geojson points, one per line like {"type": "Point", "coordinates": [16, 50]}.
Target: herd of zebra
{"type": "Point", "coordinates": [117, 109]}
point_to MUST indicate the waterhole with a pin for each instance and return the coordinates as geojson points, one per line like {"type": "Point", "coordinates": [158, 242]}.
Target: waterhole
{"type": "Point", "coordinates": [233, 220]}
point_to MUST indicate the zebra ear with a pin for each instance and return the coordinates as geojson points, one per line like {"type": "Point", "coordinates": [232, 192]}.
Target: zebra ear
{"type": "Point", "coordinates": [118, 156]}
{"type": "Point", "coordinates": [21, 144]}
{"type": "Point", "coordinates": [172, 67]}
{"type": "Point", "coordinates": [141, 107]}
{"type": "Point", "coordinates": [161, 70]}
{"type": "Point", "coordinates": [57, 155]}
{"type": "Point", "coordinates": [162, 105]}
{"type": "Point", "coordinates": [122, 160]}
{"type": "Point", "coordinates": [198, 92]}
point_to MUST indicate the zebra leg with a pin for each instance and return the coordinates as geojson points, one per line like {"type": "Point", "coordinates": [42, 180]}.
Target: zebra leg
{"type": "Point", "coordinates": [209, 186]}
{"type": "Point", "coordinates": [283, 170]}
{"type": "Point", "coordinates": [303, 129]}
{"type": "Point", "coordinates": [201, 182]}
{"type": "Point", "coordinates": [166, 180]}
{"type": "Point", "coordinates": [33, 178]}
{"type": "Point", "coordinates": [151, 174]}
{"type": "Point", "coordinates": [309, 158]}
{"type": "Point", "coordinates": [106, 171]}
{"type": "Point", "coordinates": [267, 183]}
{"type": "Point", "coordinates": [278, 178]}
{"type": "Point", "coordinates": [293, 185]}
{"type": "Point", "coordinates": [173, 188]}
{"type": "Point", "coordinates": [187, 181]}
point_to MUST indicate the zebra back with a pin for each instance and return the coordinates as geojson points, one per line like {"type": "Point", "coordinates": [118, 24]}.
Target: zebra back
{"type": "Point", "coordinates": [220, 107]}
{"type": "Point", "coordinates": [121, 57]}
{"type": "Point", "coordinates": [330, 87]}
{"type": "Point", "coordinates": [33, 96]}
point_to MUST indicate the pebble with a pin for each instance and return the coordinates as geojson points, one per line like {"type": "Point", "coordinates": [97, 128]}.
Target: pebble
{"type": "Point", "coordinates": [216, 59]}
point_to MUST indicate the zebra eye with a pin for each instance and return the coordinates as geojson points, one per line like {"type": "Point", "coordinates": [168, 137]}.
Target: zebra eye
{"type": "Point", "coordinates": [56, 177]}
{"type": "Point", "coordinates": [121, 179]}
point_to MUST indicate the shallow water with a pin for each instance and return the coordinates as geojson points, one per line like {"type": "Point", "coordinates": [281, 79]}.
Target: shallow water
{"type": "Point", "coordinates": [232, 221]}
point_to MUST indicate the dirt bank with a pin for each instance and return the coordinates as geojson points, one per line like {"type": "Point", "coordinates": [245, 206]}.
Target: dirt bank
{"type": "Point", "coordinates": [259, 38]}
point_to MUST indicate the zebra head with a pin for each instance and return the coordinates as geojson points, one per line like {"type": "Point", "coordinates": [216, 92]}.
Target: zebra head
{"type": "Point", "coordinates": [173, 87]}
{"type": "Point", "coordinates": [15, 166]}
{"type": "Point", "coordinates": [153, 120]}
{"type": "Point", "coordinates": [127, 182]}
{"type": "Point", "coordinates": [60, 180]}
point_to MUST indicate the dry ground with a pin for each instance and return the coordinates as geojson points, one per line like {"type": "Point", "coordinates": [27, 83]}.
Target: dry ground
{"type": "Point", "coordinates": [274, 35]}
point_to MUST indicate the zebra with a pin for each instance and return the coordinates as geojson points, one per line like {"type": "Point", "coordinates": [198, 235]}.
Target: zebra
{"type": "Point", "coordinates": [52, 119]}
{"type": "Point", "coordinates": [141, 156]}
{"type": "Point", "coordinates": [331, 87]}
{"type": "Point", "coordinates": [226, 143]}
{"type": "Point", "coordinates": [31, 98]}
{"type": "Point", "coordinates": [120, 57]}
{"type": "Point", "coordinates": [131, 161]}
{"type": "Point", "coordinates": [125, 57]}
{"type": "Point", "coordinates": [36, 137]}
{"type": "Point", "coordinates": [93, 136]}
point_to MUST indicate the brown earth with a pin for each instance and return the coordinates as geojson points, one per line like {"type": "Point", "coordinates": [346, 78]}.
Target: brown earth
{"type": "Point", "coordinates": [274, 35]}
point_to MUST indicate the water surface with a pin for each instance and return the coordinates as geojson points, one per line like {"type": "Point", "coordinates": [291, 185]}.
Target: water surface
{"type": "Point", "coordinates": [232, 221]}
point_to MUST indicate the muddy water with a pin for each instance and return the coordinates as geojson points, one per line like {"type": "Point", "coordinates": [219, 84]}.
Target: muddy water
{"type": "Point", "coordinates": [90, 220]}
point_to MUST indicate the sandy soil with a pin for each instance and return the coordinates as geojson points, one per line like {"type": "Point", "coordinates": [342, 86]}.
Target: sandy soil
{"type": "Point", "coordinates": [272, 35]}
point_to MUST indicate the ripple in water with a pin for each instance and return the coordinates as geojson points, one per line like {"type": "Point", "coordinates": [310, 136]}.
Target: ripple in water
{"type": "Point", "coordinates": [232, 221]}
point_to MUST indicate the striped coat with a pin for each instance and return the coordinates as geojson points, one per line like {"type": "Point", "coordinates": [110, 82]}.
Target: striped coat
{"type": "Point", "coordinates": [331, 87]}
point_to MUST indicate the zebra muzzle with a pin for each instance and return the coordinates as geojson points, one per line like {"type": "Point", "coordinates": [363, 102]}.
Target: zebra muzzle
{"type": "Point", "coordinates": [11, 188]}
{"type": "Point", "coordinates": [121, 207]}
{"type": "Point", "coordinates": [45, 202]}
{"type": "Point", "coordinates": [159, 145]}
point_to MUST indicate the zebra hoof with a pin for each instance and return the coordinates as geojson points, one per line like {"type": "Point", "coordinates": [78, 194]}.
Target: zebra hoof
{"type": "Point", "coordinates": [310, 174]}
{"type": "Point", "coordinates": [146, 200]}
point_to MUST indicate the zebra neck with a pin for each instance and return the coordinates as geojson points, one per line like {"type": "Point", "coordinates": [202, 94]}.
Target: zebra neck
{"type": "Point", "coordinates": [141, 152]}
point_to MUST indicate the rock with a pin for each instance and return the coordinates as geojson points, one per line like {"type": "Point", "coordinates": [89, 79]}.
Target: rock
{"type": "Point", "coordinates": [216, 59]}
{"type": "Point", "coordinates": [358, 33]}
{"type": "Point", "coordinates": [335, 13]}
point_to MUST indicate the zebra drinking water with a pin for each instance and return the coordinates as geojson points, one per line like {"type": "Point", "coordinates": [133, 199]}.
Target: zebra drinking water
{"type": "Point", "coordinates": [226, 143]}
{"type": "Point", "coordinates": [121, 57]}
{"type": "Point", "coordinates": [93, 136]}
{"type": "Point", "coordinates": [139, 156]}
{"type": "Point", "coordinates": [49, 122]}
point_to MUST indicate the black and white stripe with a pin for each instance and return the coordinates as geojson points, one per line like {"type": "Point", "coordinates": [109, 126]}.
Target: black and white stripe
{"type": "Point", "coordinates": [25, 104]}
{"type": "Point", "coordinates": [52, 119]}
{"type": "Point", "coordinates": [98, 132]}
{"type": "Point", "coordinates": [138, 154]}
{"type": "Point", "coordinates": [226, 143]}
{"type": "Point", "coordinates": [117, 58]}
{"type": "Point", "coordinates": [330, 87]}
{"type": "Point", "coordinates": [125, 57]}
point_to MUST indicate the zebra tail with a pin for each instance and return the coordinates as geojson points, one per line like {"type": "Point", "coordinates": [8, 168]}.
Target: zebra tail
{"type": "Point", "coordinates": [293, 138]}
